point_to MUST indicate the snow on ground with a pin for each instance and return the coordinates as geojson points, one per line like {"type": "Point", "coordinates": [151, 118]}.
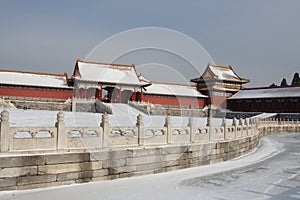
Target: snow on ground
{"type": "Point", "coordinates": [123, 115]}
{"type": "Point", "coordinates": [171, 185]}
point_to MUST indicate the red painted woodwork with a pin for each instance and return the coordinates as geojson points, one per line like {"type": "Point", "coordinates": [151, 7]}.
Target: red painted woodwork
{"type": "Point", "coordinates": [36, 93]}
{"type": "Point", "coordinates": [133, 97]}
{"type": "Point", "coordinates": [178, 101]}
{"type": "Point", "coordinates": [142, 95]}
{"type": "Point", "coordinates": [100, 94]}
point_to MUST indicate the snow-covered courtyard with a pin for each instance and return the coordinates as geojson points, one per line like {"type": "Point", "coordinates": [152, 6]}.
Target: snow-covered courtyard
{"type": "Point", "coordinates": [123, 115]}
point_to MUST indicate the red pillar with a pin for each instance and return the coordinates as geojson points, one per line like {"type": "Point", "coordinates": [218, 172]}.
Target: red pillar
{"type": "Point", "coordinates": [133, 96]}
{"type": "Point", "coordinates": [142, 94]}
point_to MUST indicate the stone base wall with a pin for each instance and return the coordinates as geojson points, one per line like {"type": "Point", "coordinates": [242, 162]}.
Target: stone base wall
{"type": "Point", "coordinates": [37, 103]}
{"type": "Point", "coordinates": [164, 110]}
{"type": "Point", "coordinates": [44, 170]}
{"type": "Point", "coordinates": [178, 112]}
{"type": "Point", "coordinates": [42, 105]}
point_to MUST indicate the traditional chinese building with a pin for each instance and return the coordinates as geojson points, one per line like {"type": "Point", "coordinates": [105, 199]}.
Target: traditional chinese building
{"type": "Point", "coordinates": [271, 99]}
{"type": "Point", "coordinates": [93, 83]}
{"type": "Point", "coordinates": [29, 85]}
{"type": "Point", "coordinates": [112, 83]}
{"type": "Point", "coordinates": [219, 83]}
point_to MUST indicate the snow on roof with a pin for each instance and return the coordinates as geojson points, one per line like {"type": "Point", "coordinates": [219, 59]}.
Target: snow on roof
{"type": "Point", "coordinates": [224, 88]}
{"type": "Point", "coordinates": [173, 89]}
{"type": "Point", "coordinates": [106, 73]}
{"type": "Point", "coordinates": [267, 93]}
{"type": "Point", "coordinates": [144, 80]}
{"type": "Point", "coordinates": [33, 79]}
{"type": "Point", "coordinates": [224, 73]}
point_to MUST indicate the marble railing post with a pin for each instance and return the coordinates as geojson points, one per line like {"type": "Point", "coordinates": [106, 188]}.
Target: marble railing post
{"type": "Point", "coordinates": [241, 127]}
{"type": "Point", "coordinates": [61, 135]}
{"type": "Point", "coordinates": [256, 123]}
{"type": "Point", "coordinates": [192, 129]}
{"type": "Point", "coordinates": [247, 126]}
{"type": "Point", "coordinates": [4, 130]}
{"type": "Point", "coordinates": [210, 128]}
{"type": "Point", "coordinates": [105, 127]}
{"type": "Point", "coordinates": [234, 124]}
{"type": "Point", "coordinates": [224, 124]}
{"type": "Point", "coordinates": [168, 126]}
{"type": "Point", "coordinates": [74, 100]}
{"type": "Point", "coordinates": [141, 129]}
{"type": "Point", "coordinates": [252, 126]}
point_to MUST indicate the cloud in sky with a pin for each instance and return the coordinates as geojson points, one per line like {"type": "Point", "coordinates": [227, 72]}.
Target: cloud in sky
{"type": "Point", "coordinates": [260, 39]}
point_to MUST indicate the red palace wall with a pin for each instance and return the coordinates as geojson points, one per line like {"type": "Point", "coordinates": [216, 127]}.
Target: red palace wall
{"type": "Point", "coordinates": [178, 101]}
{"type": "Point", "coordinates": [216, 100]}
{"type": "Point", "coordinates": [36, 93]}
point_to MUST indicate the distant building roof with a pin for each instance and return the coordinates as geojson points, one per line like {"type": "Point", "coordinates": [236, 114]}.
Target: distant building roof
{"type": "Point", "coordinates": [223, 73]}
{"type": "Point", "coordinates": [106, 73]}
{"type": "Point", "coordinates": [144, 80]}
{"type": "Point", "coordinates": [257, 93]}
{"type": "Point", "coordinates": [173, 89]}
{"type": "Point", "coordinates": [33, 79]}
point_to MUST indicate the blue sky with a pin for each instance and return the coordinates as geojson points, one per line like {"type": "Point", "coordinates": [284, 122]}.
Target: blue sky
{"type": "Point", "coordinates": [259, 38]}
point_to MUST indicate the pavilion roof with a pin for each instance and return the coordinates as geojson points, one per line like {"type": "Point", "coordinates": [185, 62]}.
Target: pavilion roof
{"type": "Point", "coordinates": [222, 73]}
{"type": "Point", "coordinates": [106, 73]}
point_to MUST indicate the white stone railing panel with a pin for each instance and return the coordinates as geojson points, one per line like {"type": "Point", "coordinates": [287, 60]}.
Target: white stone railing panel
{"type": "Point", "coordinates": [219, 133]}
{"type": "Point", "coordinates": [84, 137]}
{"type": "Point", "coordinates": [229, 133]}
{"type": "Point", "coordinates": [180, 135]}
{"type": "Point", "coordinates": [201, 134]}
{"type": "Point", "coordinates": [121, 136]}
{"type": "Point", "coordinates": [32, 138]}
{"type": "Point", "coordinates": [155, 135]}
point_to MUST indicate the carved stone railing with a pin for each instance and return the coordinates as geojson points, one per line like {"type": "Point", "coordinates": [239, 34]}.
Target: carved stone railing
{"type": "Point", "coordinates": [63, 138]}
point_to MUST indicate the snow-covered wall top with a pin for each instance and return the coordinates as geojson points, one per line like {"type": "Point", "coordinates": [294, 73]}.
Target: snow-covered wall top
{"type": "Point", "coordinates": [267, 93]}
{"type": "Point", "coordinates": [106, 73]}
{"type": "Point", "coordinates": [173, 89]}
{"type": "Point", "coordinates": [33, 79]}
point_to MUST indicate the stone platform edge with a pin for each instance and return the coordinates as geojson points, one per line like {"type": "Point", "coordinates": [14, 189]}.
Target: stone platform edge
{"type": "Point", "coordinates": [20, 172]}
